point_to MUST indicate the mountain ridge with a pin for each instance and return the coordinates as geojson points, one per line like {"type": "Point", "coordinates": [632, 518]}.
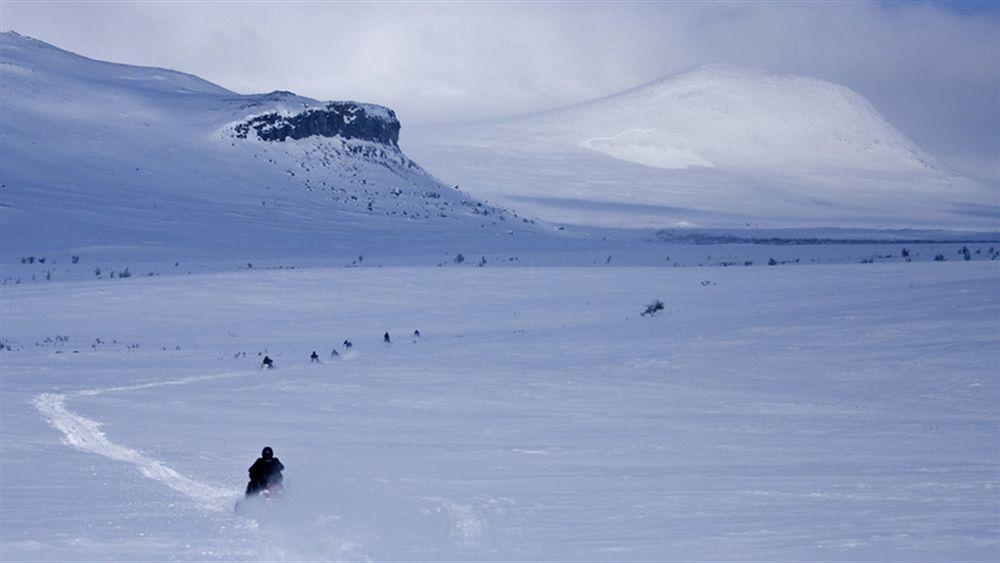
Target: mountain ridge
{"type": "Point", "coordinates": [99, 154]}
{"type": "Point", "coordinates": [12, 40]}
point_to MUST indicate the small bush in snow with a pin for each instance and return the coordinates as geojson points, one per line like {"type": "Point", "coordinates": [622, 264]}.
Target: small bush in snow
{"type": "Point", "coordinates": [653, 308]}
{"type": "Point", "coordinates": [939, 258]}
{"type": "Point", "coordinates": [459, 258]}
{"type": "Point", "coordinates": [772, 262]}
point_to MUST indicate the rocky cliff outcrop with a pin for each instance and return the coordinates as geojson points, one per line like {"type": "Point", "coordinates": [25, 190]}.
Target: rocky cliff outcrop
{"type": "Point", "coordinates": [348, 120]}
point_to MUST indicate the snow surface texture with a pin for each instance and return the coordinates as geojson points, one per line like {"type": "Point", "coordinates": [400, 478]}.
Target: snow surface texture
{"type": "Point", "coordinates": [840, 413]}
{"type": "Point", "coordinates": [717, 146]}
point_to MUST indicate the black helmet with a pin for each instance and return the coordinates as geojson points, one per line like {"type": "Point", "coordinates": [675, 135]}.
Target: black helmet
{"type": "Point", "coordinates": [267, 453]}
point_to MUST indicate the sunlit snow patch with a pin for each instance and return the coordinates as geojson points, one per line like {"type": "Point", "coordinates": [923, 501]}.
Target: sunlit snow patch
{"type": "Point", "coordinates": [647, 147]}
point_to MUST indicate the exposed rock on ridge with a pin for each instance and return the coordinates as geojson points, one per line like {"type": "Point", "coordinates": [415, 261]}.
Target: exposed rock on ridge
{"type": "Point", "coordinates": [348, 120]}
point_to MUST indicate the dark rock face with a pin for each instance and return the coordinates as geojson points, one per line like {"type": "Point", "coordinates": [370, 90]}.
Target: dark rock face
{"type": "Point", "coordinates": [346, 119]}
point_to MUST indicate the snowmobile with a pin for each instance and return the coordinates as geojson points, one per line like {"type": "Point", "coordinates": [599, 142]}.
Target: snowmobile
{"type": "Point", "coordinates": [265, 477]}
{"type": "Point", "coordinates": [272, 493]}
{"type": "Point", "coordinates": [269, 496]}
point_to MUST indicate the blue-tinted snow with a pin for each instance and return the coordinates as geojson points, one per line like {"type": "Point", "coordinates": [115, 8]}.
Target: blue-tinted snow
{"type": "Point", "coordinates": [839, 404]}
{"type": "Point", "coordinates": [813, 413]}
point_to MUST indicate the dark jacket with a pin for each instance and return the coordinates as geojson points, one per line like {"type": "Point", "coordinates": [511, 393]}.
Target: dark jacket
{"type": "Point", "coordinates": [264, 473]}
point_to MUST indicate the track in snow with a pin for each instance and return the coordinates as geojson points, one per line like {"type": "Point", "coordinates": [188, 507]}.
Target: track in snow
{"type": "Point", "coordinates": [85, 434]}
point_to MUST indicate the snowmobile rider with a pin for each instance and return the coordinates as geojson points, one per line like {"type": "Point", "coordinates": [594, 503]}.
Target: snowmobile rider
{"type": "Point", "coordinates": [265, 472]}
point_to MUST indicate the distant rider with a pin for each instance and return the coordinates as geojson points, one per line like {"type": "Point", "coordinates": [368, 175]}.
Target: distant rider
{"type": "Point", "coordinates": [265, 472]}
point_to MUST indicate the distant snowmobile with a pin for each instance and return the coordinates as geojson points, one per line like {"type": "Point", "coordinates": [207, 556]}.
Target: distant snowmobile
{"type": "Point", "coordinates": [268, 363]}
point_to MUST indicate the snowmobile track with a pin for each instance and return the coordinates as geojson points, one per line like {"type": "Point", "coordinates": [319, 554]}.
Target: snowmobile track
{"type": "Point", "coordinates": [85, 434]}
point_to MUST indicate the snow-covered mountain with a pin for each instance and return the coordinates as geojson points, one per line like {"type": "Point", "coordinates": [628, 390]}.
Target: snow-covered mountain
{"type": "Point", "coordinates": [717, 146]}
{"type": "Point", "coordinates": [148, 164]}
{"type": "Point", "coordinates": [98, 155]}
{"type": "Point", "coordinates": [727, 116]}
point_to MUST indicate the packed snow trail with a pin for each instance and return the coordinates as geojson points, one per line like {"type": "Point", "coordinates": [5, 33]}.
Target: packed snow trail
{"type": "Point", "coordinates": [85, 434]}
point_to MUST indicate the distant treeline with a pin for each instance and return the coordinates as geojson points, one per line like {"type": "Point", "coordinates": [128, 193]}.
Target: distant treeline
{"type": "Point", "coordinates": [704, 238]}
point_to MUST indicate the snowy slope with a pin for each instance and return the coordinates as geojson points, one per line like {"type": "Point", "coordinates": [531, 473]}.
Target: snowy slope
{"type": "Point", "coordinates": [729, 117]}
{"type": "Point", "coordinates": [717, 146]}
{"type": "Point", "coordinates": [100, 155]}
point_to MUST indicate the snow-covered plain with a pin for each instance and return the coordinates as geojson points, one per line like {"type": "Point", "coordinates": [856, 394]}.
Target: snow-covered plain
{"type": "Point", "coordinates": [824, 412]}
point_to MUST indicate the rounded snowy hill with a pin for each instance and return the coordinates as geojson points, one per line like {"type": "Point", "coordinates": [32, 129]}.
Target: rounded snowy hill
{"type": "Point", "coordinates": [99, 155]}
{"type": "Point", "coordinates": [726, 116]}
{"type": "Point", "coordinates": [716, 146]}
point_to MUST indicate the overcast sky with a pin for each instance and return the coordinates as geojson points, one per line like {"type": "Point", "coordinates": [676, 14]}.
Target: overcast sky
{"type": "Point", "coordinates": [931, 68]}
